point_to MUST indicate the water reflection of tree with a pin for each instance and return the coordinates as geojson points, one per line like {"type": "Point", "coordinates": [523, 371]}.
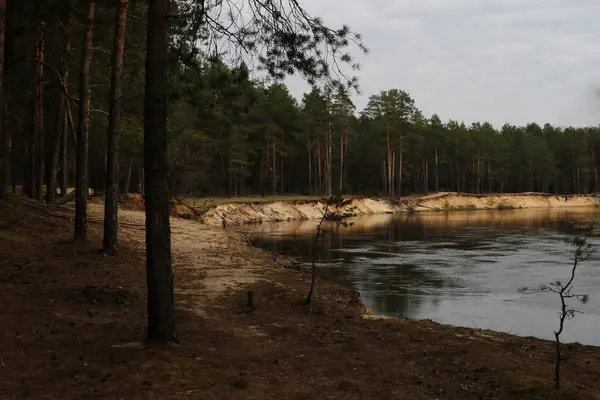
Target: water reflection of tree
{"type": "Point", "coordinates": [400, 305]}
{"type": "Point", "coordinates": [399, 289]}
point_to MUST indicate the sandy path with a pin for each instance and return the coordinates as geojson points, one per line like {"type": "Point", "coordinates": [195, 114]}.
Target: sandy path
{"type": "Point", "coordinates": [212, 260]}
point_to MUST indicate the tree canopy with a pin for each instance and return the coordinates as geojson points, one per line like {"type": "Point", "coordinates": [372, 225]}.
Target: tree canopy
{"type": "Point", "coordinates": [231, 133]}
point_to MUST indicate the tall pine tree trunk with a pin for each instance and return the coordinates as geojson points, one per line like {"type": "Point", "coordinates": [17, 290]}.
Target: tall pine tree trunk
{"type": "Point", "coordinates": [416, 179]}
{"type": "Point", "coordinates": [159, 274]}
{"type": "Point", "coordinates": [457, 176]}
{"type": "Point", "coordinates": [473, 177]}
{"type": "Point", "coordinates": [390, 176]}
{"type": "Point", "coordinates": [53, 152]}
{"type": "Point", "coordinates": [34, 144]}
{"type": "Point", "coordinates": [437, 177]}
{"type": "Point", "coordinates": [274, 168]}
{"type": "Point", "coordinates": [63, 157]}
{"type": "Point", "coordinates": [480, 174]}
{"type": "Point", "coordinates": [319, 168]}
{"type": "Point", "coordinates": [30, 151]}
{"type": "Point", "coordinates": [128, 179]}
{"type": "Point", "coordinates": [383, 175]}
{"type": "Point", "coordinates": [4, 153]}
{"type": "Point", "coordinates": [140, 183]}
{"type": "Point", "coordinates": [426, 178]}
{"type": "Point", "coordinates": [531, 185]}
{"type": "Point", "coordinates": [450, 175]}
{"type": "Point", "coordinates": [326, 166]}
{"type": "Point", "coordinates": [489, 169]}
{"type": "Point", "coordinates": [341, 163]}
{"type": "Point", "coordinates": [261, 178]}
{"type": "Point", "coordinates": [574, 178]}
{"type": "Point", "coordinates": [81, 164]}
{"type": "Point", "coordinates": [59, 134]}
{"type": "Point", "coordinates": [594, 167]}
{"type": "Point", "coordinates": [393, 170]}
{"type": "Point", "coordinates": [346, 152]}
{"type": "Point", "coordinates": [281, 167]}
{"type": "Point", "coordinates": [310, 186]}
{"type": "Point", "coordinates": [328, 155]}
{"type": "Point", "coordinates": [400, 164]}
{"type": "Point", "coordinates": [9, 173]}
{"type": "Point", "coordinates": [39, 112]}
{"type": "Point", "coordinates": [243, 180]}
{"type": "Point", "coordinates": [110, 242]}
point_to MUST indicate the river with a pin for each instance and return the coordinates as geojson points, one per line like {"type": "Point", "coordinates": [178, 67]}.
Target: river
{"type": "Point", "coordinates": [457, 268]}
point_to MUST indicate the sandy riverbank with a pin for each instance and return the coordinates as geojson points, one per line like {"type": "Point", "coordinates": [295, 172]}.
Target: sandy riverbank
{"type": "Point", "coordinates": [70, 315]}
{"type": "Point", "coordinates": [259, 212]}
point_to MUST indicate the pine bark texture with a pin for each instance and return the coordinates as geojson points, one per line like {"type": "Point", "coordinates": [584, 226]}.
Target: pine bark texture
{"type": "Point", "coordinates": [159, 274]}
{"type": "Point", "coordinates": [111, 222]}
{"type": "Point", "coordinates": [81, 163]}
{"type": "Point", "coordinates": [4, 153]}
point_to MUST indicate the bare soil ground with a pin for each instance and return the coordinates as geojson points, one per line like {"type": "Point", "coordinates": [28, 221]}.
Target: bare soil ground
{"type": "Point", "coordinates": [72, 320]}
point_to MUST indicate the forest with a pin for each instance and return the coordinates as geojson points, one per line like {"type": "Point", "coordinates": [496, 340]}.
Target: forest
{"type": "Point", "coordinates": [179, 99]}
{"type": "Point", "coordinates": [176, 98]}
{"type": "Point", "coordinates": [92, 90]}
{"type": "Point", "coordinates": [230, 134]}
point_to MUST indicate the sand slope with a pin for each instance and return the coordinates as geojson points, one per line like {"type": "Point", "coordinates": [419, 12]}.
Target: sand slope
{"type": "Point", "coordinates": [240, 213]}
{"type": "Point", "coordinates": [243, 213]}
{"type": "Point", "coordinates": [452, 201]}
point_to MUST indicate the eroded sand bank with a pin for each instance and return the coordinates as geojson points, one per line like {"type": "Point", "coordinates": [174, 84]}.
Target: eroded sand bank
{"type": "Point", "coordinates": [243, 213]}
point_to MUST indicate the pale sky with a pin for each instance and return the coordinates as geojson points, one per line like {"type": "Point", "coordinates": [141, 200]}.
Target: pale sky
{"type": "Point", "coordinates": [513, 61]}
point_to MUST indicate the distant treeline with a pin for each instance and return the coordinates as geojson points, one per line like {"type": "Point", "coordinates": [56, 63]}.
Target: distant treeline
{"type": "Point", "coordinates": [231, 135]}
{"type": "Point", "coordinates": [256, 139]}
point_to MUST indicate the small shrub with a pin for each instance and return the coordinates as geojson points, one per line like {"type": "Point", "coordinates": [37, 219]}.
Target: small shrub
{"type": "Point", "coordinates": [446, 206]}
{"type": "Point", "coordinates": [504, 206]}
{"type": "Point", "coordinates": [461, 207]}
{"type": "Point", "coordinates": [490, 203]}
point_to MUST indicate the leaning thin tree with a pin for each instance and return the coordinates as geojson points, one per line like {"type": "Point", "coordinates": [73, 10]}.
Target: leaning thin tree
{"type": "Point", "coordinates": [281, 36]}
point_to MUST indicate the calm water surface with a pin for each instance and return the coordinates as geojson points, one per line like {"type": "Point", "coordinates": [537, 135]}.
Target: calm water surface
{"type": "Point", "coordinates": [460, 268]}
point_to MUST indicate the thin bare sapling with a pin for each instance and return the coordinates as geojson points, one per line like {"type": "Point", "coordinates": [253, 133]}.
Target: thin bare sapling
{"type": "Point", "coordinates": [583, 250]}
{"type": "Point", "coordinates": [334, 203]}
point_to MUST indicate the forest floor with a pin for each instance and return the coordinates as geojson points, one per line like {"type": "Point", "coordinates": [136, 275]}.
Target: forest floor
{"type": "Point", "coordinates": [72, 320]}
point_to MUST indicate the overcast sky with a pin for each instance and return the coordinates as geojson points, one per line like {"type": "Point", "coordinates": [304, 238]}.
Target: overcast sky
{"type": "Point", "coordinates": [500, 61]}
